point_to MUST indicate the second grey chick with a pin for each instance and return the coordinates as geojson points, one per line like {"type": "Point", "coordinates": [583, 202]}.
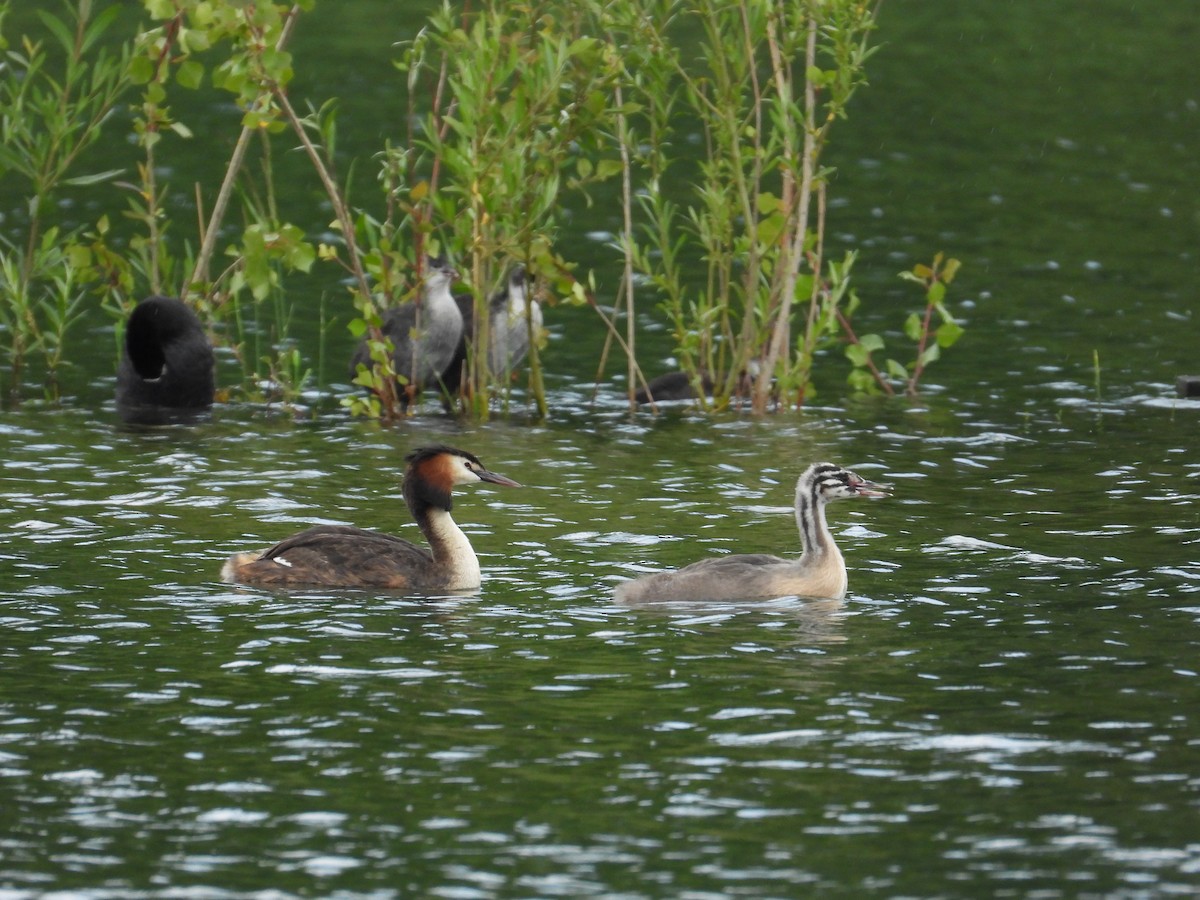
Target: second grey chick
{"type": "Point", "coordinates": [424, 333]}
{"type": "Point", "coordinates": [508, 332]}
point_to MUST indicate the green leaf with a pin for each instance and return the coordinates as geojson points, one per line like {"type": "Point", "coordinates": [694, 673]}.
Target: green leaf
{"type": "Point", "coordinates": [948, 333]}
{"type": "Point", "coordinates": [931, 354]}
{"type": "Point", "coordinates": [858, 355]}
{"type": "Point", "coordinates": [364, 377]}
{"type": "Point", "coordinates": [861, 381]}
{"type": "Point", "coordinates": [190, 74]}
{"type": "Point", "coordinates": [769, 229]}
{"type": "Point", "coordinates": [98, 26]}
{"type": "Point", "coordinates": [141, 70]}
{"type": "Point", "coordinates": [159, 9]}
{"type": "Point", "coordinates": [607, 168]}
{"type": "Point", "coordinates": [871, 342]}
{"type": "Point", "coordinates": [95, 178]}
{"type": "Point", "coordinates": [913, 327]}
{"type": "Point", "coordinates": [936, 292]}
{"type": "Point", "coordinates": [58, 28]}
{"type": "Point", "coordinates": [302, 256]}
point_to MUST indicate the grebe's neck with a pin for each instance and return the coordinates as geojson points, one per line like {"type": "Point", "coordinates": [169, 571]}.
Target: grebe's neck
{"type": "Point", "coordinates": [820, 554]}
{"type": "Point", "coordinates": [452, 550]}
{"type": "Point", "coordinates": [810, 518]}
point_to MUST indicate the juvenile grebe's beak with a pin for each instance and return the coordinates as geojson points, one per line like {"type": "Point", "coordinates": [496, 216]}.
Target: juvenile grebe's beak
{"type": "Point", "coordinates": [493, 478]}
{"type": "Point", "coordinates": [865, 488]}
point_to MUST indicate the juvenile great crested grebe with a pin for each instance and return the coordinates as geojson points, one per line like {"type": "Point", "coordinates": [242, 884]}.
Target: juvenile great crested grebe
{"type": "Point", "coordinates": [819, 572]}
{"type": "Point", "coordinates": [508, 332]}
{"type": "Point", "coordinates": [167, 361]}
{"type": "Point", "coordinates": [343, 556]}
{"type": "Point", "coordinates": [424, 334]}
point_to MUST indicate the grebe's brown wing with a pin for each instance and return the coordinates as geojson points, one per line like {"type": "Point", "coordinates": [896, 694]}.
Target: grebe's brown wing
{"type": "Point", "coordinates": [343, 556]}
{"type": "Point", "coordinates": [326, 536]}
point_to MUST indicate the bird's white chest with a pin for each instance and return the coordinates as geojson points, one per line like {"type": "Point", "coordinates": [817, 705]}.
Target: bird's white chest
{"type": "Point", "coordinates": [453, 553]}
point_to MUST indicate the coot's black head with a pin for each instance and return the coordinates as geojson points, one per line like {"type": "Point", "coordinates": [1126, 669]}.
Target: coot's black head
{"type": "Point", "coordinates": [168, 358]}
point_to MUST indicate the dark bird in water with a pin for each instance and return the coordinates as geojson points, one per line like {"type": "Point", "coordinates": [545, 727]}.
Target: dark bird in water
{"type": "Point", "coordinates": [167, 362]}
{"type": "Point", "coordinates": [820, 572]}
{"type": "Point", "coordinates": [342, 556]}
{"type": "Point", "coordinates": [508, 331]}
{"type": "Point", "coordinates": [424, 333]}
{"type": "Point", "coordinates": [671, 386]}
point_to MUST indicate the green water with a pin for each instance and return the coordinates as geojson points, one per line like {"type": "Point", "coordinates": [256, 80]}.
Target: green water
{"type": "Point", "coordinates": [1005, 705]}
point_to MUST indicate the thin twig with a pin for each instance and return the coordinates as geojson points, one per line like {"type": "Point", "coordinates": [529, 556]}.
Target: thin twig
{"type": "Point", "coordinates": [210, 234]}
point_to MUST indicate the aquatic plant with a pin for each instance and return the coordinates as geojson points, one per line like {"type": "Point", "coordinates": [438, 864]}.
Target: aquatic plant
{"type": "Point", "coordinates": [766, 81]}
{"type": "Point", "coordinates": [55, 91]}
{"type": "Point", "coordinates": [507, 110]}
{"type": "Point", "coordinates": [931, 330]}
{"type": "Point", "coordinates": [713, 116]}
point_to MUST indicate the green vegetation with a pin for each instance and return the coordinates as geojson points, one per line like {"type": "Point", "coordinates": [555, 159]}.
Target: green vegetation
{"type": "Point", "coordinates": [512, 108]}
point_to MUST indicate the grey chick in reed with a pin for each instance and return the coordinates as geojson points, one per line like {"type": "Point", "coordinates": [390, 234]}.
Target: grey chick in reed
{"type": "Point", "coordinates": [424, 334]}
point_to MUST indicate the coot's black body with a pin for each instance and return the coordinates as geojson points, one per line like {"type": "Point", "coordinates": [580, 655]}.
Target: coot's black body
{"type": "Point", "coordinates": [167, 363]}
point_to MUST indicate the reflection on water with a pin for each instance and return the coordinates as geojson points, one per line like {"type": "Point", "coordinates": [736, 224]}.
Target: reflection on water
{"type": "Point", "coordinates": [1004, 705]}
{"type": "Point", "coordinates": [1005, 694]}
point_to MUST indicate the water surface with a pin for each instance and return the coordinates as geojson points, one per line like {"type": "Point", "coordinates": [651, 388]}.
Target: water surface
{"type": "Point", "coordinates": [1004, 705]}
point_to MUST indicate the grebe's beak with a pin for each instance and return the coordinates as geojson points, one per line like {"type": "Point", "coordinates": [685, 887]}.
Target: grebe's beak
{"type": "Point", "coordinates": [869, 488]}
{"type": "Point", "coordinates": [493, 478]}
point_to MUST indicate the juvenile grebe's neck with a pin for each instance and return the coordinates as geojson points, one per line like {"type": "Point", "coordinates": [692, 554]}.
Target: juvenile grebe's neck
{"type": "Point", "coordinates": [810, 518]}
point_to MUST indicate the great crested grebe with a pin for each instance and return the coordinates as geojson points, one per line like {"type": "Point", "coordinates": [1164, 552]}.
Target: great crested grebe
{"type": "Point", "coordinates": [167, 361]}
{"type": "Point", "coordinates": [343, 556]}
{"type": "Point", "coordinates": [820, 572]}
{"type": "Point", "coordinates": [424, 333]}
{"type": "Point", "coordinates": [508, 340]}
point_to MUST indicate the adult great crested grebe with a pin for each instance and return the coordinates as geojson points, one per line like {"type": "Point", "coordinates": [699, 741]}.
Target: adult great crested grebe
{"type": "Point", "coordinates": [343, 556]}
{"type": "Point", "coordinates": [424, 333]}
{"type": "Point", "coordinates": [820, 572]}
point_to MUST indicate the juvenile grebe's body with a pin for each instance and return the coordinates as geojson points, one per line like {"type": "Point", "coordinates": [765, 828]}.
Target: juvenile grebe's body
{"type": "Point", "coordinates": [508, 330]}
{"type": "Point", "coordinates": [167, 361]}
{"type": "Point", "coordinates": [343, 556]}
{"type": "Point", "coordinates": [424, 334]}
{"type": "Point", "coordinates": [508, 343]}
{"type": "Point", "coordinates": [820, 572]}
